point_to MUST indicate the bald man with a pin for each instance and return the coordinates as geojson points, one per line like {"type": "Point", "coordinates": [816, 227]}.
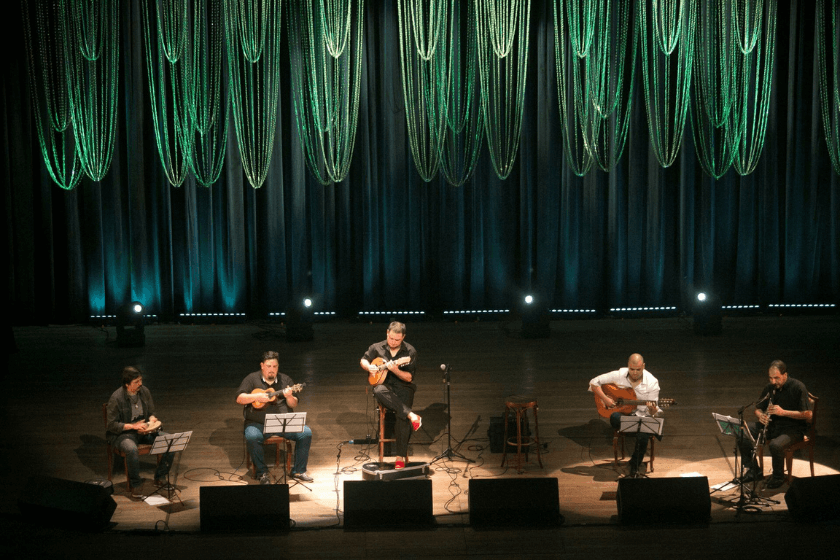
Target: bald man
{"type": "Point", "coordinates": [646, 387]}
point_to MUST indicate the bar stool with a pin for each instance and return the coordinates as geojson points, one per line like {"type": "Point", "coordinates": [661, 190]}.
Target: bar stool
{"type": "Point", "coordinates": [618, 440]}
{"type": "Point", "coordinates": [519, 406]}
{"type": "Point", "coordinates": [382, 439]}
{"type": "Point", "coordinates": [276, 441]}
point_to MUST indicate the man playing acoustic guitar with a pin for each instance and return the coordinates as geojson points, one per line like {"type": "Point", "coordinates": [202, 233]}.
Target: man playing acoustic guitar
{"type": "Point", "coordinates": [646, 388]}
{"type": "Point", "coordinates": [268, 391]}
{"type": "Point", "coordinates": [391, 365]}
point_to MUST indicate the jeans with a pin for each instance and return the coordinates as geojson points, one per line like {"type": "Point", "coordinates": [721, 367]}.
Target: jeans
{"type": "Point", "coordinates": [127, 443]}
{"type": "Point", "coordinates": [254, 438]}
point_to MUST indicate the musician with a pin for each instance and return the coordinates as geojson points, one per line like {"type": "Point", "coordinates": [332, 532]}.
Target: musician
{"type": "Point", "coordinates": [646, 387]}
{"type": "Point", "coordinates": [131, 413]}
{"type": "Point", "coordinates": [786, 420]}
{"type": "Point", "coordinates": [284, 401]}
{"type": "Point", "coordinates": [397, 391]}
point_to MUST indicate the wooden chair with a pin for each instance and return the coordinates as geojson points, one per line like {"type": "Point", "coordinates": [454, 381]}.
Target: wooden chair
{"type": "Point", "coordinates": [142, 449]}
{"type": "Point", "coordinates": [806, 442]}
{"type": "Point", "coordinates": [382, 439]}
{"type": "Point", "coordinates": [618, 441]}
{"type": "Point", "coordinates": [519, 407]}
{"type": "Point", "coordinates": [276, 441]}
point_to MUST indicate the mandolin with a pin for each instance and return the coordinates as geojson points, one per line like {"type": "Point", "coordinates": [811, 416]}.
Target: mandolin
{"type": "Point", "coordinates": [381, 373]}
{"type": "Point", "coordinates": [295, 389]}
{"type": "Point", "coordinates": [625, 400]}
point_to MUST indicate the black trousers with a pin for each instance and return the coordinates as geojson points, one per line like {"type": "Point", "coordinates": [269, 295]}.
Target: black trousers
{"type": "Point", "coordinates": [398, 397]}
{"type": "Point", "coordinates": [777, 441]}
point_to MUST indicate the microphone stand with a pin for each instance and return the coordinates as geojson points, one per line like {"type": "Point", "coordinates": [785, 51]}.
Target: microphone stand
{"type": "Point", "coordinates": [448, 453]}
{"type": "Point", "coordinates": [752, 504]}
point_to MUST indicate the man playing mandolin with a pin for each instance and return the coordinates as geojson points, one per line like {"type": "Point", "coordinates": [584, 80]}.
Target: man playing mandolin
{"type": "Point", "coordinates": [269, 391]}
{"type": "Point", "coordinates": [391, 365]}
{"type": "Point", "coordinates": [646, 388]}
{"type": "Point", "coordinates": [131, 422]}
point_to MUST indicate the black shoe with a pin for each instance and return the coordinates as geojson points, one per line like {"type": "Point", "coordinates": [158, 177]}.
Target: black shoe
{"type": "Point", "coordinates": [138, 491]}
{"type": "Point", "coordinates": [752, 476]}
{"type": "Point", "coordinates": [775, 481]}
{"type": "Point", "coordinates": [303, 477]}
{"type": "Point", "coordinates": [265, 479]}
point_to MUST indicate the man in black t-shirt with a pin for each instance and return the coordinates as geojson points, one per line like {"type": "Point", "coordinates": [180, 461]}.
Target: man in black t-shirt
{"type": "Point", "coordinates": [269, 379]}
{"type": "Point", "coordinates": [783, 409]}
{"type": "Point", "coordinates": [396, 392]}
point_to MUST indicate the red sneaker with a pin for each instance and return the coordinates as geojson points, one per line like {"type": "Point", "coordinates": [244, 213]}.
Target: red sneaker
{"type": "Point", "coordinates": [399, 464]}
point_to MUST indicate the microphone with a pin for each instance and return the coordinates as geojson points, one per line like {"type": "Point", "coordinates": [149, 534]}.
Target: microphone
{"type": "Point", "coordinates": [366, 441]}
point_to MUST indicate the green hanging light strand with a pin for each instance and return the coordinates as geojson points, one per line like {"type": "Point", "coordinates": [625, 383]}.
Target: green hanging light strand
{"type": "Point", "coordinates": [667, 45]}
{"type": "Point", "coordinates": [252, 29]}
{"type": "Point", "coordinates": [572, 88]}
{"type": "Point", "coordinates": [502, 36]}
{"type": "Point", "coordinates": [713, 83]}
{"type": "Point", "coordinates": [209, 109]}
{"type": "Point", "coordinates": [581, 24]}
{"type": "Point", "coordinates": [746, 19]}
{"type": "Point", "coordinates": [51, 106]}
{"type": "Point", "coordinates": [610, 93]}
{"type": "Point", "coordinates": [325, 89]}
{"type": "Point", "coordinates": [335, 23]}
{"type": "Point", "coordinates": [170, 85]}
{"type": "Point", "coordinates": [829, 93]}
{"type": "Point", "coordinates": [752, 80]}
{"type": "Point", "coordinates": [425, 21]}
{"type": "Point", "coordinates": [422, 77]}
{"type": "Point", "coordinates": [94, 82]}
{"type": "Point", "coordinates": [464, 131]}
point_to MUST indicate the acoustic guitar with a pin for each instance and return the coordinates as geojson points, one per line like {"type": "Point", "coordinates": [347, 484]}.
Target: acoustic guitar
{"type": "Point", "coordinates": [381, 372]}
{"type": "Point", "coordinates": [625, 400]}
{"type": "Point", "coordinates": [295, 389]}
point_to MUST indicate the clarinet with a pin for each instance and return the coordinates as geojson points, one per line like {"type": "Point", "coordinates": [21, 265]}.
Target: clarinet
{"type": "Point", "coordinates": [763, 438]}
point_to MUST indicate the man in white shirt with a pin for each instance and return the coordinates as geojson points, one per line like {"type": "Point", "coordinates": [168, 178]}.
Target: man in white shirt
{"type": "Point", "coordinates": [646, 387]}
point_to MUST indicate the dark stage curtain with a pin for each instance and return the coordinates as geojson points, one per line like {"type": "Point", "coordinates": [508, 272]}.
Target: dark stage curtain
{"type": "Point", "coordinates": [383, 239]}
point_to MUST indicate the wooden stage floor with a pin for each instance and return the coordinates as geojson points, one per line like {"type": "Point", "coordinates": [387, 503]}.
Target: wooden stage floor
{"type": "Point", "coordinates": [61, 375]}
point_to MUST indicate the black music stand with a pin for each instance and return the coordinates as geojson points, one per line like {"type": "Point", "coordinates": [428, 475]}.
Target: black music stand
{"type": "Point", "coordinates": [169, 443]}
{"type": "Point", "coordinates": [281, 424]}
{"type": "Point", "coordinates": [633, 424]}
{"type": "Point", "coordinates": [748, 499]}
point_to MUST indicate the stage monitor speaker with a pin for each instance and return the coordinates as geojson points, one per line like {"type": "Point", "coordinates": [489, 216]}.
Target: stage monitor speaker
{"type": "Point", "coordinates": [388, 504]}
{"type": "Point", "coordinates": [244, 508]}
{"type": "Point", "coordinates": [816, 498]}
{"type": "Point", "coordinates": [664, 500]}
{"type": "Point", "coordinates": [528, 502]}
{"type": "Point", "coordinates": [67, 504]}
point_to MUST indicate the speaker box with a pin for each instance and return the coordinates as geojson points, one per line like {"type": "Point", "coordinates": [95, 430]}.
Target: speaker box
{"type": "Point", "coordinates": [244, 508]}
{"type": "Point", "coordinates": [388, 504]}
{"type": "Point", "coordinates": [67, 504]}
{"type": "Point", "coordinates": [531, 502]}
{"type": "Point", "coordinates": [814, 499]}
{"type": "Point", "coordinates": [664, 500]}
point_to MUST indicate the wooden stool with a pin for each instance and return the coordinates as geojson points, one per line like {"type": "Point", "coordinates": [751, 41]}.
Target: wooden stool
{"type": "Point", "coordinates": [276, 441]}
{"type": "Point", "coordinates": [519, 406]}
{"type": "Point", "coordinates": [382, 441]}
{"type": "Point", "coordinates": [618, 439]}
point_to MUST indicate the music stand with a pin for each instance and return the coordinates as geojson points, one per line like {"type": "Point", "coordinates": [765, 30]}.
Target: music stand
{"type": "Point", "coordinates": [642, 425]}
{"type": "Point", "coordinates": [281, 424]}
{"type": "Point", "coordinates": [169, 443]}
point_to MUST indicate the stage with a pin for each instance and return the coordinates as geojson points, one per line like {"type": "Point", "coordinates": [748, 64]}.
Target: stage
{"type": "Point", "coordinates": [60, 376]}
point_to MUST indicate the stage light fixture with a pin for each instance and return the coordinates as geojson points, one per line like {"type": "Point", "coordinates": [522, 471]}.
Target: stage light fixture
{"type": "Point", "coordinates": [535, 317]}
{"type": "Point", "coordinates": [707, 314]}
{"type": "Point", "coordinates": [299, 320]}
{"type": "Point", "coordinates": [130, 325]}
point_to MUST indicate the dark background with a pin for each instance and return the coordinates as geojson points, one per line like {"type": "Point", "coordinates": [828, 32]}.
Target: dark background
{"type": "Point", "coordinates": [384, 239]}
